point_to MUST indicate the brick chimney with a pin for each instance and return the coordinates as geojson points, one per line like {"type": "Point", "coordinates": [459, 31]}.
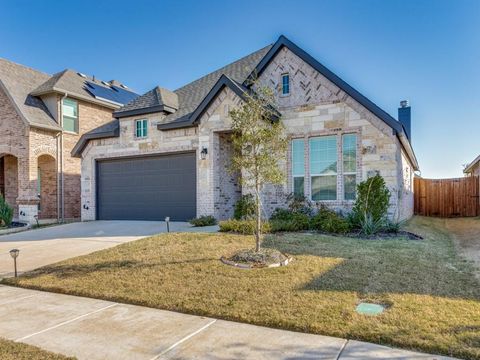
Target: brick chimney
{"type": "Point", "coordinates": [404, 116]}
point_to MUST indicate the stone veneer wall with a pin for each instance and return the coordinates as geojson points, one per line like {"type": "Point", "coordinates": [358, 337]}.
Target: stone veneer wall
{"type": "Point", "coordinates": [227, 186]}
{"type": "Point", "coordinates": [315, 107]}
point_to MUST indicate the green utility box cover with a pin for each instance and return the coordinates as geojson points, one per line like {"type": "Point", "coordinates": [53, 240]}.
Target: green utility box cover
{"type": "Point", "coordinates": [369, 309]}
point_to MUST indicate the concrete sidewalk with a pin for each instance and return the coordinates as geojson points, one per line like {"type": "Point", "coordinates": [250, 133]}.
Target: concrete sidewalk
{"type": "Point", "coordinates": [97, 329]}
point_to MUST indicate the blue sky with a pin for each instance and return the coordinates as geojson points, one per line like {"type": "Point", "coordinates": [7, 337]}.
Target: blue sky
{"type": "Point", "coordinates": [425, 51]}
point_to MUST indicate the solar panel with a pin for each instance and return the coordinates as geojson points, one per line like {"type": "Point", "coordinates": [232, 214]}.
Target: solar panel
{"type": "Point", "coordinates": [112, 93]}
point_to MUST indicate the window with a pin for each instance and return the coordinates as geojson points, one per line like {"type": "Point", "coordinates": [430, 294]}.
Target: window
{"type": "Point", "coordinates": [298, 166]}
{"type": "Point", "coordinates": [141, 128]}
{"type": "Point", "coordinates": [285, 84]}
{"type": "Point", "coordinates": [70, 115]}
{"type": "Point", "coordinates": [349, 153]}
{"type": "Point", "coordinates": [323, 167]}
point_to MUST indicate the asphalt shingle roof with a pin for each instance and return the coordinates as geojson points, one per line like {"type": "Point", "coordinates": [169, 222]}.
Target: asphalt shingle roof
{"type": "Point", "coordinates": [191, 95]}
{"type": "Point", "coordinates": [18, 82]}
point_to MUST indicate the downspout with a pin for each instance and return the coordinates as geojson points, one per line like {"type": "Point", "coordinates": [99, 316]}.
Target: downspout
{"type": "Point", "coordinates": [62, 175]}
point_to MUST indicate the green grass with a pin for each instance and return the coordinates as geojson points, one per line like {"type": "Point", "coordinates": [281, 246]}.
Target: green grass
{"type": "Point", "coordinates": [10, 350]}
{"type": "Point", "coordinates": [431, 292]}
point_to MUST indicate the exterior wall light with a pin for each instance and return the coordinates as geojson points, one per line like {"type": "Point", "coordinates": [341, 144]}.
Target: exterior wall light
{"type": "Point", "coordinates": [14, 254]}
{"type": "Point", "coordinates": [203, 153]}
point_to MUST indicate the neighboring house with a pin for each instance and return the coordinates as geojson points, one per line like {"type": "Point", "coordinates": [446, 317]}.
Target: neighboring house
{"type": "Point", "coordinates": [42, 117]}
{"type": "Point", "coordinates": [168, 152]}
{"type": "Point", "coordinates": [473, 169]}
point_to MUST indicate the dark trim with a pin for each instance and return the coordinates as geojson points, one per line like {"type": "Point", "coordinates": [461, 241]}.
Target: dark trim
{"type": "Point", "coordinates": [85, 138]}
{"type": "Point", "coordinates": [142, 111]}
{"type": "Point", "coordinates": [224, 81]}
{"type": "Point", "coordinates": [176, 125]}
{"type": "Point", "coordinates": [96, 189]}
{"type": "Point", "coordinates": [368, 104]}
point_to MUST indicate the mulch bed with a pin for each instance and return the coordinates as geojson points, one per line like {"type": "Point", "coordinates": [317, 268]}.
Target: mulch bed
{"type": "Point", "coordinates": [249, 258]}
{"type": "Point", "coordinates": [13, 225]}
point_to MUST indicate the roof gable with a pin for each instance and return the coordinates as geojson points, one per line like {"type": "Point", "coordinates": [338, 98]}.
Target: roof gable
{"type": "Point", "coordinates": [18, 81]}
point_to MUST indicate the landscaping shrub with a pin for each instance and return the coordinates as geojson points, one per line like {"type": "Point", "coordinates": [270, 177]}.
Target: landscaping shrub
{"type": "Point", "coordinates": [370, 226]}
{"type": "Point", "coordinates": [246, 227]}
{"type": "Point", "coordinates": [371, 205]}
{"type": "Point", "coordinates": [290, 222]}
{"type": "Point", "coordinates": [206, 220]}
{"type": "Point", "coordinates": [300, 204]}
{"type": "Point", "coordinates": [244, 208]}
{"type": "Point", "coordinates": [329, 221]}
{"type": "Point", "coordinates": [6, 212]}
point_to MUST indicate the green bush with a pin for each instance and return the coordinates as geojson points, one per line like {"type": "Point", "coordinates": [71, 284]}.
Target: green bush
{"type": "Point", "coordinates": [371, 205]}
{"type": "Point", "coordinates": [300, 204]}
{"type": "Point", "coordinates": [206, 220]}
{"type": "Point", "coordinates": [244, 208]}
{"type": "Point", "coordinates": [329, 221]}
{"type": "Point", "coordinates": [288, 221]}
{"type": "Point", "coordinates": [246, 227]}
{"type": "Point", "coordinates": [6, 212]}
{"type": "Point", "coordinates": [370, 226]}
{"type": "Point", "coordinates": [281, 214]}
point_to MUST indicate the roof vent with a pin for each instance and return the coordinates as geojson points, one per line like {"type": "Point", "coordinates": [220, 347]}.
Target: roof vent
{"type": "Point", "coordinates": [82, 75]}
{"type": "Point", "coordinates": [115, 83]}
{"type": "Point", "coordinates": [404, 103]}
{"type": "Point", "coordinates": [105, 83]}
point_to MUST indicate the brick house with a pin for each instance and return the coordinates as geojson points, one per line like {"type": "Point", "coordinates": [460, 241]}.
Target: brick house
{"type": "Point", "coordinates": [42, 117]}
{"type": "Point", "coordinates": [167, 152]}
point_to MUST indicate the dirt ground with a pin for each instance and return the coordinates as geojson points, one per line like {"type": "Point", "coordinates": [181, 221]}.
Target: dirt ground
{"type": "Point", "coordinates": [466, 232]}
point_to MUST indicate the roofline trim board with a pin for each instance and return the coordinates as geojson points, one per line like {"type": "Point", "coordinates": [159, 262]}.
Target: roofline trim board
{"type": "Point", "coordinates": [143, 111]}
{"type": "Point", "coordinates": [85, 139]}
{"type": "Point", "coordinates": [471, 165]}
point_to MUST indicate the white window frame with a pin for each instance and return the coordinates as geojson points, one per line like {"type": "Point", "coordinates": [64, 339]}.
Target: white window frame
{"type": "Point", "coordinates": [349, 172]}
{"type": "Point", "coordinates": [292, 166]}
{"type": "Point", "coordinates": [142, 121]}
{"type": "Point", "coordinates": [75, 118]}
{"type": "Point", "coordinates": [323, 175]}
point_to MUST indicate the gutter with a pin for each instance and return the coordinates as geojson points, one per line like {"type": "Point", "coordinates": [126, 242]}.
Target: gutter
{"type": "Point", "coordinates": [408, 149]}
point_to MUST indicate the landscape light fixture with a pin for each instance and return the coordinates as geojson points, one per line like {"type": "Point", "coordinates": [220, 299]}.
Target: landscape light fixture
{"type": "Point", "coordinates": [167, 220]}
{"type": "Point", "coordinates": [203, 153]}
{"type": "Point", "coordinates": [14, 254]}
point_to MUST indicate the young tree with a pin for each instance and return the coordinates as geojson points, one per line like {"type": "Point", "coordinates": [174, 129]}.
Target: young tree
{"type": "Point", "coordinates": [258, 142]}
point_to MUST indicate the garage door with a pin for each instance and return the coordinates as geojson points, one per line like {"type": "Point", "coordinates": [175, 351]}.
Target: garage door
{"type": "Point", "coordinates": [147, 188]}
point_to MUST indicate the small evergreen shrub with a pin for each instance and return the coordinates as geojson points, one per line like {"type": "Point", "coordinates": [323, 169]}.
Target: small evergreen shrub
{"type": "Point", "coordinates": [371, 205]}
{"type": "Point", "coordinates": [300, 204]}
{"type": "Point", "coordinates": [290, 222]}
{"type": "Point", "coordinates": [6, 212]}
{"type": "Point", "coordinates": [244, 208]}
{"type": "Point", "coordinates": [206, 220]}
{"type": "Point", "coordinates": [329, 221]}
{"type": "Point", "coordinates": [246, 227]}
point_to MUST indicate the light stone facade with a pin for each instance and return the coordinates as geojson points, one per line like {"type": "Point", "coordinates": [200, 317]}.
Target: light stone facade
{"type": "Point", "coordinates": [315, 107]}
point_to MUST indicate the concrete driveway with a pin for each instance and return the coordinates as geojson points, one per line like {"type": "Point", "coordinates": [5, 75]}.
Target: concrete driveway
{"type": "Point", "coordinates": [49, 245]}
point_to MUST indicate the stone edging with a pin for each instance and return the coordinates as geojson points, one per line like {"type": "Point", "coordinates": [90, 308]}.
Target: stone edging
{"type": "Point", "coordinates": [247, 266]}
{"type": "Point", "coordinates": [14, 230]}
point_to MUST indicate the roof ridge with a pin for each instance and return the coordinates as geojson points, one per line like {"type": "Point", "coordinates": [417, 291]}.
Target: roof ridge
{"type": "Point", "coordinates": [25, 66]}
{"type": "Point", "coordinates": [223, 67]}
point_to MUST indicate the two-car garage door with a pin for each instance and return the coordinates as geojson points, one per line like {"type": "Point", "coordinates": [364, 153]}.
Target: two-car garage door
{"type": "Point", "coordinates": [147, 188]}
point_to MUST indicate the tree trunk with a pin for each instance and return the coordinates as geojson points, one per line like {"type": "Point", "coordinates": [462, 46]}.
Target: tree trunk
{"type": "Point", "coordinates": [259, 218]}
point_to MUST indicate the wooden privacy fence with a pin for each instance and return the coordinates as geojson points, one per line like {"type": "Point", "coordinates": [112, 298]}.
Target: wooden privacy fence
{"type": "Point", "coordinates": [447, 197]}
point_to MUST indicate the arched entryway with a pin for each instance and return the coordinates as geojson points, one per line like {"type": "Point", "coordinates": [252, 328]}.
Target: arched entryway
{"type": "Point", "coordinates": [9, 180]}
{"type": "Point", "coordinates": [47, 187]}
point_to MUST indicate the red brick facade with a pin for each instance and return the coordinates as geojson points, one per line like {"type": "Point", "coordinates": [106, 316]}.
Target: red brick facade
{"type": "Point", "coordinates": [28, 152]}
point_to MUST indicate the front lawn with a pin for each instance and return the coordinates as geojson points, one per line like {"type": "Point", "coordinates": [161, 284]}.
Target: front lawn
{"type": "Point", "coordinates": [433, 297]}
{"type": "Point", "coordinates": [10, 350]}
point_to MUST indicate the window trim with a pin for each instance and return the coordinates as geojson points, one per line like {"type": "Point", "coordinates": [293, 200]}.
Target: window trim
{"type": "Point", "coordinates": [76, 118]}
{"type": "Point", "coordinates": [142, 128]}
{"type": "Point", "coordinates": [323, 175]}
{"type": "Point", "coordinates": [283, 84]}
{"type": "Point", "coordinates": [343, 165]}
{"type": "Point", "coordinates": [291, 157]}
{"type": "Point", "coordinates": [340, 166]}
